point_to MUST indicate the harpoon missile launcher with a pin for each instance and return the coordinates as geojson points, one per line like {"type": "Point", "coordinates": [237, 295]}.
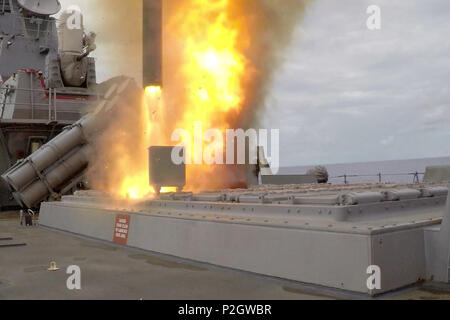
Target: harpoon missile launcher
{"type": "Point", "coordinates": [59, 165]}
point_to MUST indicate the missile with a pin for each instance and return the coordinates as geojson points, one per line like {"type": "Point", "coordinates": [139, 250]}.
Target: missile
{"type": "Point", "coordinates": [152, 43]}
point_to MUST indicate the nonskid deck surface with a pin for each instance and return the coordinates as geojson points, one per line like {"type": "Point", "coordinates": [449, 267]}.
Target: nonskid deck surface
{"type": "Point", "coordinates": [109, 271]}
{"type": "Point", "coordinates": [114, 272]}
{"type": "Point", "coordinates": [123, 273]}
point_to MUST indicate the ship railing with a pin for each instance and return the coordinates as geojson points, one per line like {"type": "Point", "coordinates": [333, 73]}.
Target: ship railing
{"type": "Point", "coordinates": [34, 26]}
{"type": "Point", "coordinates": [53, 95]}
{"type": "Point", "coordinates": [380, 177]}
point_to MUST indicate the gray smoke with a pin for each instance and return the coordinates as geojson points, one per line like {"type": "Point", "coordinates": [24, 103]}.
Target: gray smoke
{"type": "Point", "coordinates": [118, 24]}
{"type": "Point", "coordinates": [267, 24]}
{"type": "Point", "coordinates": [271, 24]}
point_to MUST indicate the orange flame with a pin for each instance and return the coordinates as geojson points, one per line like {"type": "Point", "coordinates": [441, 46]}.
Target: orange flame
{"type": "Point", "coordinates": [135, 184]}
{"type": "Point", "coordinates": [220, 58]}
{"type": "Point", "coordinates": [212, 69]}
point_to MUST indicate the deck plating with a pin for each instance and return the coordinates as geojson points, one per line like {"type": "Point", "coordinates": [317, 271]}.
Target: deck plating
{"type": "Point", "coordinates": [324, 235]}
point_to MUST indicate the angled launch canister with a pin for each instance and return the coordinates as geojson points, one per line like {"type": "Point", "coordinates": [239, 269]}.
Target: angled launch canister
{"type": "Point", "coordinates": [60, 164]}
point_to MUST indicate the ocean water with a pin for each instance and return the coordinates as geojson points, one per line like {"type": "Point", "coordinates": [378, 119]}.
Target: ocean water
{"type": "Point", "coordinates": [395, 171]}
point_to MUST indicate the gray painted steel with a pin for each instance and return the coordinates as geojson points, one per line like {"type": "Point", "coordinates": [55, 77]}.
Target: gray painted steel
{"type": "Point", "coordinates": [36, 101]}
{"type": "Point", "coordinates": [325, 244]}
{"type": "Point", "coordinates": [163, 171]}
{"type": "Point", "coordinates": [60, 163]}
{"type": "Point", "coordinates": [437, 174]}
{"type": "Point", "coordinates": [48, 81]}
{"type": "Point", "coordinates": [437, 241]}
{"type": "Point", "coordinates": [40, 7]}
{"type": "Point", "coordinates": [26, 40]}
{"type": "Point", "coordinates": [288, 179]}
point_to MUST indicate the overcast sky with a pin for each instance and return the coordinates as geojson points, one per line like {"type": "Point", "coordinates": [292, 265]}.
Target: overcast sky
{"type": "Point", "coordinates": [348, 94]}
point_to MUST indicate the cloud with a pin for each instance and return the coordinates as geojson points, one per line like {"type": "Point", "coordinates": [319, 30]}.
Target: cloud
{"type": "Point", "coordinates": [343, 90]}
{"type": "Point", "coordinates": [360, 95]}
{"type": "Point", "coordinates": [435, 119]}
{"type": "Point", "coordinates": [388, 141]}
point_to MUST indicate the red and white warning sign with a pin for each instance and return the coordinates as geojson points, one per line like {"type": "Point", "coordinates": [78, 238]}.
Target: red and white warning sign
{"type": "Point", "coordinates": [121, 229]}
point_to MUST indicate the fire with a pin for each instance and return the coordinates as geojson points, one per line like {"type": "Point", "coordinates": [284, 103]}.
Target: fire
{"type": "Point", "coordinates": [220, 58]}
{"type": "Point", "coordinates": [135, 183]}
{"type": "Point", "coordinates": [212, 65]}
{"type": "Point", "coordinates": [212, 69]}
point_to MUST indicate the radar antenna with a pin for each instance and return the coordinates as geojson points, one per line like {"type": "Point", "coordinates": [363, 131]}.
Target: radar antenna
{"type": "Point", "coordinates": [41, 7]}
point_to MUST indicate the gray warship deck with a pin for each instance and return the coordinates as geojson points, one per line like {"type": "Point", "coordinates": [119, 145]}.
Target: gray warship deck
{"type": "Point", "coordinates": [109, 271]}
{"type": "Point", "coordinates": [321, 235]}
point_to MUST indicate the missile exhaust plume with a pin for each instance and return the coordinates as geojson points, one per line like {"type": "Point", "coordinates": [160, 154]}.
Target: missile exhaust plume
{"type": "Point", "coordinates": [220, 58]}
